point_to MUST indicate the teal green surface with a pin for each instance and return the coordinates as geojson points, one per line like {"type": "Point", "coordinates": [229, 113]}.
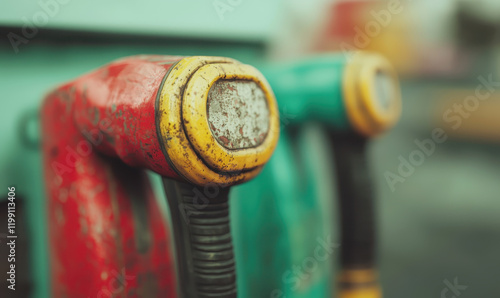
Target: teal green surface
{"type": "Point", "coordinates": [277, 220]}
{"type": "Point", "coordinates": [218, 19]}
{"type": "Point", "coordinates": [286, 211]}
{"type": "Point", "coordinates": [311, 89]}
{"type": "Point", "coordinates": [261, 210]}
{"type": "Point", "coordinates": [282, 217]}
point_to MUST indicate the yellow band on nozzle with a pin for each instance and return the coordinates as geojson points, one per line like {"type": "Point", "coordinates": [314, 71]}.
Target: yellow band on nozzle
{"type": "Point", "coordinates": [372, 94]}
{"type": "Point", "coordinates": [192, 142]}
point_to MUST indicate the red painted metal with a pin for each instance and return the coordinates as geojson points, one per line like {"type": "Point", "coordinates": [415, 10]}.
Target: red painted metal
{"type": "Point", "coordinates": [108, 237]}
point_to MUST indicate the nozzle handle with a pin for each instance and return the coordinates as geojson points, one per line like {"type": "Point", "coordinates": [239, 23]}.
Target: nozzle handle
{"type": "Point", "coordinates": [203, 242]}
{"type": "Point", "coordinates": [310, 89]}
{"type": "Point", "coordinates": [357, 215]}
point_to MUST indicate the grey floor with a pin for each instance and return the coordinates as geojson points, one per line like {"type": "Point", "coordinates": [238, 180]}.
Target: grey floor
{"type": "Point", "coordinates": [443, 222]}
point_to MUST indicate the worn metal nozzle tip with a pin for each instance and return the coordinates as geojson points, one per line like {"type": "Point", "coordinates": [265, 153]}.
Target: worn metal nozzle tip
{"type": "Point", "coordinates": [238, 114]}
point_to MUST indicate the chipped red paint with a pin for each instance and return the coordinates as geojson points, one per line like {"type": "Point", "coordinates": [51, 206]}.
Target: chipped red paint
{"type": "Point", "coordinates": [108, 237]}
{"type": "Point", "coordinates": [118, 101]}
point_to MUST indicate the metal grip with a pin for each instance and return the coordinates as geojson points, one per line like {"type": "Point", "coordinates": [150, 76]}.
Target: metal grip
{"type": "Point", "coordinates": [203, 242]}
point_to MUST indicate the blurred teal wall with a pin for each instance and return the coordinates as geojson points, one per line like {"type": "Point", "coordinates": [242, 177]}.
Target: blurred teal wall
{"type": "Point", "coordinates": [222, 19]}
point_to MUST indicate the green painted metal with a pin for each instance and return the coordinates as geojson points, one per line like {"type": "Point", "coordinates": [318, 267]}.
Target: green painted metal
{"type": "Point", "coordinates": [311, 89]}
{"type": "Point", "coordinates": [259, 217]}
{"type": "Point", "coordinates": [290, 204]}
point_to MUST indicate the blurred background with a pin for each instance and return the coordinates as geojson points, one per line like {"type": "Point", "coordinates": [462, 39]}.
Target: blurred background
{"type": "Point", "coordinates": [439, 220]}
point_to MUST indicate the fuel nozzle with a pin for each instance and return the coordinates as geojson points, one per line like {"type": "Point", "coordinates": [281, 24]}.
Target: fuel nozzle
{"type": "Point", "coordinates": [200, 122]}
{"type": "Point", "coordinates": [354, 92]}
{"type": "Point", "coordinates": [355, 97]}
{"type": "Point", "coordinates": [222, 134]}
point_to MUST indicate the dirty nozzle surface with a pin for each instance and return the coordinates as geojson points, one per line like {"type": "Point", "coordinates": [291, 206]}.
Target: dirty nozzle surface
{"type": "Point", "coordinates": [384, 90]}
{"type": "Point", "coordinates": [238, 114]}
{"type": "Point", "coordinates": [218, 120]}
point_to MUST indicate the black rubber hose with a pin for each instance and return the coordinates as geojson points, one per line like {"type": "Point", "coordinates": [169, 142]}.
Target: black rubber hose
{"type": "Point", "coordinates": [203, 243]}
{"type": "Point", "coordinates": [356, 204]}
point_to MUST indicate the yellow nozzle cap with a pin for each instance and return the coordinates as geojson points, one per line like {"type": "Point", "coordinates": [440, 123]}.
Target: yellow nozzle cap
{"type": "Point", "coordinates": [221, 120]}
{"type": "Point", "coordinates": [372, 94]}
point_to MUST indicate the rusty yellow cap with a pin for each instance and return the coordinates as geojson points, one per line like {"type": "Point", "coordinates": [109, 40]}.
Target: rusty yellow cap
{"type": "Point", "coordinates": [371, 93]}
{"type": "Point", "coordinates": [218, 119]}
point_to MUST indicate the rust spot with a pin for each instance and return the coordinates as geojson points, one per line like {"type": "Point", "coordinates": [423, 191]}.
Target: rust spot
{"type": "Point", "coordinates": [224, 140]}
{"type": "Point", "coordinates": [54, 152]}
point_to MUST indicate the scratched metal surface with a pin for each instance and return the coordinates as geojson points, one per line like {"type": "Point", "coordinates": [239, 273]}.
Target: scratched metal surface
{"type": "Point", "coordinates": [238, 114]}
